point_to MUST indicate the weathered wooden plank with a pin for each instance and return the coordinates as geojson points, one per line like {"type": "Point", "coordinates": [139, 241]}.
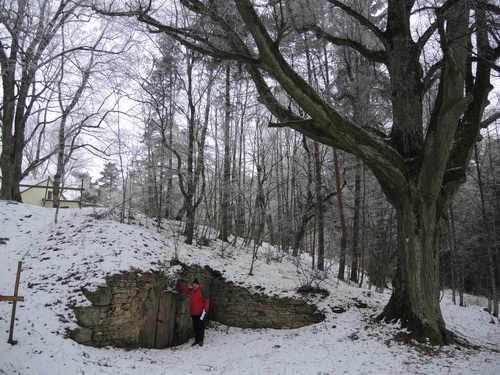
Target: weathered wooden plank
{"type": "Point", "coordinates": [12, 298]}
{"type": "Point", "coordinates": [165, 322]}
{"type": "Point", "coordinates": [50, 187]}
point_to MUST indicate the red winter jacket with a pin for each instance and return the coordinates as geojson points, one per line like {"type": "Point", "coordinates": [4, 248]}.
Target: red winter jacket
{"type": "Point", "coordinates": [199, 299]}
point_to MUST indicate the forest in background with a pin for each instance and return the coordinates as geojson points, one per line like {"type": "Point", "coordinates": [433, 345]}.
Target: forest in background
{"type": "Point", "coordinates": [183, 135]}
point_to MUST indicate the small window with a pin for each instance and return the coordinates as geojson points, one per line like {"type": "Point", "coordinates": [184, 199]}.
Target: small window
{"type": "Point", "coordinates": [49, 195]}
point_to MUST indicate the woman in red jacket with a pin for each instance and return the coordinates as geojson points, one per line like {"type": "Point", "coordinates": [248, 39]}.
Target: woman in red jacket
{"type": "Point", "coordinates": [199, 307]}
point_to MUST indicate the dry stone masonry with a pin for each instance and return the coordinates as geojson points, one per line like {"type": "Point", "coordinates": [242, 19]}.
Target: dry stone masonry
{"type": "Point", "coordinates": [134, 310]}
{"type": "Point", "coordinates": [123, 312]}
{"type": "Point", "coordinates": [238, 307]}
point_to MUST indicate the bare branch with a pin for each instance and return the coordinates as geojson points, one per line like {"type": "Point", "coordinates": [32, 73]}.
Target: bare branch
{"type": "Point", "coordinates": [362, 20]}
{"type": "Point", "coordinates": [377, 56]}
{"type": "Point", "coordinates": [190, 37]}
{"type": "Point", "coordinates": [431, 75]}
{"type": "Point", "coordinates": [490, 120]}
{"type": "Point", "coordinates": [422, 41]}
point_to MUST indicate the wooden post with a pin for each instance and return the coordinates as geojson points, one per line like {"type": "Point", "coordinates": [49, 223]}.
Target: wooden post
{"type": "Point", "coordinates": [14, 300]}
{"type": "Point", "coordinates": [81, 195]}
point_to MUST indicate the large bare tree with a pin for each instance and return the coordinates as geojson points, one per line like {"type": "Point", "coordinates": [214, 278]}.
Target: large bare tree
{"type": "Point", "coordinates": [27, 30]}
{"type": "Point", "coordinates": [421, 162]}
{"type": "Point", "coordinates": [44, 47]}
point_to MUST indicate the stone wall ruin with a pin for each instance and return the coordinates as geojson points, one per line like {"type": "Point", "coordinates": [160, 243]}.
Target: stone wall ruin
{"type": "Point", "coordinates": [134, 310]}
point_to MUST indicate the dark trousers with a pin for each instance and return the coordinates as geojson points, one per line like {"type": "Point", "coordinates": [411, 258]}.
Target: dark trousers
{"type": "Point", "coordinates": [199, 328]}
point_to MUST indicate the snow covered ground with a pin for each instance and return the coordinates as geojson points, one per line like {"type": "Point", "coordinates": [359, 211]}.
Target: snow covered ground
{"type": "Point", "coordinates": [59, 259]}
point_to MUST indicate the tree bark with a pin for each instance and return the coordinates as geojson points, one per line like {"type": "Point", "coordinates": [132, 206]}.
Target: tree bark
{"type": "Point", "coordinates": [415, 297]}
{"type": "Point", "coordinates": [319, 209]}
{"type": "Point", "coordinates": [343, 226]}
{"type": "Point", "coordinates": [356, 223]}
{"type": "Point", "coordinates": [226, 169]}
{"type": "Point", "coordinates": [489, 265]}
{"type": "Point", "coordinates": [307, 206]}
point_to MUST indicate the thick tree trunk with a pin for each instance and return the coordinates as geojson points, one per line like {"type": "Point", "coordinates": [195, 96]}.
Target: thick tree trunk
{"type": "Point", "coordinates": [12, 113]}
{"type": "Point", "coordinates": [415, 297]}
{"type": "Point", "coordinates": [10, 183]}
{"type": "Point", "coordinates": [12, 141]}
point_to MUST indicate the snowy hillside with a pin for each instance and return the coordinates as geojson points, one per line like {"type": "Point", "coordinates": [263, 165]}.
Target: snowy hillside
{"type": "Point", "coordinates": [79, 251]}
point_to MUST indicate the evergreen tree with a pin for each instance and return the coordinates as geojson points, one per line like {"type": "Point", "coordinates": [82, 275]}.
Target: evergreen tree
{"type": "Point", "coordinates": [90, 193]}
{"type": "Point", "coordinates": [108, 184]}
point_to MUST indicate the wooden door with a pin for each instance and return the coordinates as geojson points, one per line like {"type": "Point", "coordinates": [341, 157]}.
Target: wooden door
{"type": "Point", "coordinates": [165, 322]}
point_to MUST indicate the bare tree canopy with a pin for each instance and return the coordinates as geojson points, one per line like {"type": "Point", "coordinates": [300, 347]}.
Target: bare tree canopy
{"type": "Point", "coordinates": [50, 52]}
{"type": "Point", "coordinates": [442, 52]}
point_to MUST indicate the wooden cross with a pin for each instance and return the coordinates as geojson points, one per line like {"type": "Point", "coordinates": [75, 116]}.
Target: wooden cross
{"type": "Point", "coordinates": [15, 298]}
